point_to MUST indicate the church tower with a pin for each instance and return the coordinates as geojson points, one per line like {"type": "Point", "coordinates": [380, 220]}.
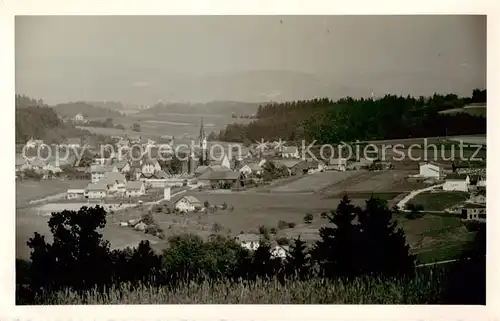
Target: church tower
{"type": "Point", "coordinates": [202, 140]}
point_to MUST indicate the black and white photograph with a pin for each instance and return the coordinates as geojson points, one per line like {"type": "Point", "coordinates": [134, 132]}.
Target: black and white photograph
{"type": "Point", "coordinates": [250, 159]}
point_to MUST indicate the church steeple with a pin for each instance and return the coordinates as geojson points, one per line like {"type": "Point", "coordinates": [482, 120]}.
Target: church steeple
{"type": "Point", "coordinates": [202, 139]}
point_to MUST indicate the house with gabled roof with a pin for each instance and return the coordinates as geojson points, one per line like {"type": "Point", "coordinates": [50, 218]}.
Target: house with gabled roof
{"type": "Point", "coordinates": [187, 204]}
{"type": "Point", "coordinates": [96, 190]}
{"type": "Point", "coordinates": [456, 182]}
{"type": "Point", "coordinates": [475, 212]}
{"type": "Point", "coordinates": [135, 189]}
{"type": "Point", "coordinates": [430, 170]}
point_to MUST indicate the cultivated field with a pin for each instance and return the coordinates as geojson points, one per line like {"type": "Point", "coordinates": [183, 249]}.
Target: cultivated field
{"type": "Point", "coordinates": [30, 190]}
{"type": "Point", "coordinates": [315, 182]}
{"type": "Point", "coordinates": [439, 200]}
{"type": "Point", "coordinates": [373, 182]}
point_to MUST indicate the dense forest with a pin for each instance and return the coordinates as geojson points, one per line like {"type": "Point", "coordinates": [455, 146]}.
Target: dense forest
{"type": "Point", "coordinates": [351, 119]}
{"type": "Point", "coordinates": [34, 119]}
{"type": "Point", "coordinates": [73, 108]}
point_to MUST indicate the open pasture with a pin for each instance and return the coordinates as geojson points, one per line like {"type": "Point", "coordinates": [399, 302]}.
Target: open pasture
{"type": "Point", "coordinates": [30, 190]}
{"type": "Point", "coordinates": [314, 182]}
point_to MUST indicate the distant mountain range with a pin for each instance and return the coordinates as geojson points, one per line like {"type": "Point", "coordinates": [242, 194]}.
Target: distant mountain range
{"type": "Point", "coordinates": [213, 107]}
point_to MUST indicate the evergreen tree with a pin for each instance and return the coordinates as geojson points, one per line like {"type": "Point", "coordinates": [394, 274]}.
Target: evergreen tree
{"type": "Point", "coordinates": [297, 263]}
{"type": "Point", "coordinates": [384, 249]}
{"type": "Point", "coordinates": [337, 252]}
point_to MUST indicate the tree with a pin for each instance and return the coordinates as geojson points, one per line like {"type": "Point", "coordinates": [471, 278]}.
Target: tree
{"type": "Point", "coordinates": [337, 253]}
{"type": "Point", "coordinates": [175, 165]}
{"type": "Point", "coordinates": [77, 249]}
{"type": "Point", "coordinates": [308, 218]}
{"type": "Point", "coordinates": [384, 250]}
{"type": "Point", "coordinates": [298, 261]}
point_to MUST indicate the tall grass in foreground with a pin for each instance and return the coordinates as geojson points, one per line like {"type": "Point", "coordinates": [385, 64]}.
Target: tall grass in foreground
{"type": "Point", "coordinates": [423, 289]}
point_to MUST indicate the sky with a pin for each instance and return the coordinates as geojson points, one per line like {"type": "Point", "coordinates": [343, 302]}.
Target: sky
{"type": "Point", "coordinates": [146, 59]}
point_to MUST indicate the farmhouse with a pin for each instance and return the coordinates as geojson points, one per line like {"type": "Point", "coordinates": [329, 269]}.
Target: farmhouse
{"type": "Point", "coordinates": [97, 172]}
{"type": "Point", "coordinates": [474, 212]}
{"type": "Point", "coordinates": [187, 204]}
{"type": "Point", "coordinates": [456, 182]}
{"type": "Point", "coordinates": [290, 152]}
{"type": "Point", "coordinates": [294, 166]}
{"type": "Point", "coordinates": [135, 189]}
{"type": "Point", "coordinates": [96, 190]}
{"type": "Point", "coordinates": [337, 164]}
{"type": "Point", "coordinates": [249, 241]}
{"type": "Point", "coordinates": [220, 179]}
{"type": "Point", "coordinates": [251, 168]}
{"type": "Point", "coordinates": [478, 197]}
{"type": "Point", "coordinates": [201, 169]}
{"type": "Point", "coordinates": [79, 119]}
{"type": "Point", "coordinates": [430, 170]}
{"type": "Point", "coordinates": [477, 181]}
{"type": "Point", "coordinates": [280, 251]}
{"type": "Point", "coordinates": [224, 162]}
{"type": "Point", "coordinates": [115, 181]}
{"type": "Point", "coordinates": [72, 194]}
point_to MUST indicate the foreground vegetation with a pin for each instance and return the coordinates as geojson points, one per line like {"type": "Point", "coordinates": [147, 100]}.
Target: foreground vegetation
{"type": "Point", "coordinates": [361, 258]}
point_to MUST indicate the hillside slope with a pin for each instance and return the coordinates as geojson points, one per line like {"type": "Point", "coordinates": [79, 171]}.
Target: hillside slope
{"type": "Point", "coordinates": [73, 108]}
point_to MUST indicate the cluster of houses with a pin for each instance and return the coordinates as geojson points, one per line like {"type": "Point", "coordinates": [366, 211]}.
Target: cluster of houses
{"type": "Point", "coordinates": [471, 181]}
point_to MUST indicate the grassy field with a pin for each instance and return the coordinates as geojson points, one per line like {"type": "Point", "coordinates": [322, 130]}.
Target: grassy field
{"type": "Point", "coordinates": [472, 110]}
{"type": "Point", "coordinates": [439, 201]}
{"type": "Point", "coordinates": [29, 190]}
{"type": "Point", "coordinates": [425, 288]}
{"type": "Point", "coordinates": [435, 237]}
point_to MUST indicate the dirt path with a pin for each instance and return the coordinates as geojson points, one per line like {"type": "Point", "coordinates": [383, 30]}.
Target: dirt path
{"type": "Point", "coordinates": [402, 203]}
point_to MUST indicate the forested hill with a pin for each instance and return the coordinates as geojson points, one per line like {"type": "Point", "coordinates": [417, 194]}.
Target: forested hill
{"type": "Point", "coordinates": [36, 120]}
{"type": "Point", "coordinates": [73, 108]}
{"type": "Point", "coordinates": [213, 107]}
{"type": "Point", "coordinates": [351, 119]}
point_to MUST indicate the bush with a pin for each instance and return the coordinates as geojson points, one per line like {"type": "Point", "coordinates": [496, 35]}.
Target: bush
{"type": "Point", "coordinates": [282, 224]}
{"type": "Point", "coordinates": [206, 204]}
{"type": "Point", "coordinates": [291, 224]}
{"type": "Point", "coordinates": [308, 218]}
{"type": "Point", "coordinates": [224, 206]}
{"type": "Point", "coordinates": [273, 230]}
{"type": "Point", "coordinates": [216, 227]}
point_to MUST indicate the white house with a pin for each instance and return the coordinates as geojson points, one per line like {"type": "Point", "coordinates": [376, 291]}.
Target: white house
{"type": "Point", "coordinates": [79, 118]}
{"type": "Point", "coordinates": [96, 191]}
{"type": "Point", "coordinates": [252, 168]}
{"type": "Point", "coordinates": [290, 152]}
{"type": "Point", "coordinates": [430, 170]}
{"type": "Point", "coordinates": [280, 251]}
{"type": "Point", "coordinates": [250, 245]}
{"type": "Point", "coordinates": [97, 172]}
{"type": "Point", "coordinates": [250, 242]}
{"type": "Point", "coordinates": [75, 194]}
{"type": "Point", "coordinates": [135, 189]}
{"type": "Point", "coordinates": [456, 182]}
{"type": "Point", "coordinates": [115, 181]}
{"type": "Point", "coordinates": [187, 204]}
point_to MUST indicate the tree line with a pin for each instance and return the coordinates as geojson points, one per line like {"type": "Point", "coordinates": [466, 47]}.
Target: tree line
{"type": "Point", "coordinates": [36, 120]}
{"type": "Point", "coordinates": [349, 119]}
{"type": "Point", "coordinates": [359, 242]}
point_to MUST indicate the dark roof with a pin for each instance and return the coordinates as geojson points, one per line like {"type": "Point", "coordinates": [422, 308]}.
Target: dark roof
{"type": "Point", "coordinates": [457, 177]}
{"type": "Point", "coordinates": [469, 205]}
{"type": "Point", "coordinates": [219, 175]}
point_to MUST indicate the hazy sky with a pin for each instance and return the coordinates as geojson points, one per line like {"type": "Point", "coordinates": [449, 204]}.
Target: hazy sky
{"type": "Point", "coordinates": [197, 58]}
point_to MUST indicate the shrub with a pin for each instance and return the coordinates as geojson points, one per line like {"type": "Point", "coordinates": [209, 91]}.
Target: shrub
{"type": "Point", "coordinates": [308, 218]}
{"type": "Point", "coordinates": [282, 224]}
{"type": "Point", "coordinates": [324, 215]}
{"type": "Point", "coordinates": [291, 224]}
{"type": "Point", "coordinates": [206, 204]}
{"type": "Point", "coordinates": [216, 227]}
{"type": "Point", "coordinates": [273, 230]}
{"type": "Point", "coordinates": [224, 206]}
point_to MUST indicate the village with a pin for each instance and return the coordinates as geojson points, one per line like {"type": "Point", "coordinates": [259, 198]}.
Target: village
{"type": "Point", "coordinates": [138, 189]}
